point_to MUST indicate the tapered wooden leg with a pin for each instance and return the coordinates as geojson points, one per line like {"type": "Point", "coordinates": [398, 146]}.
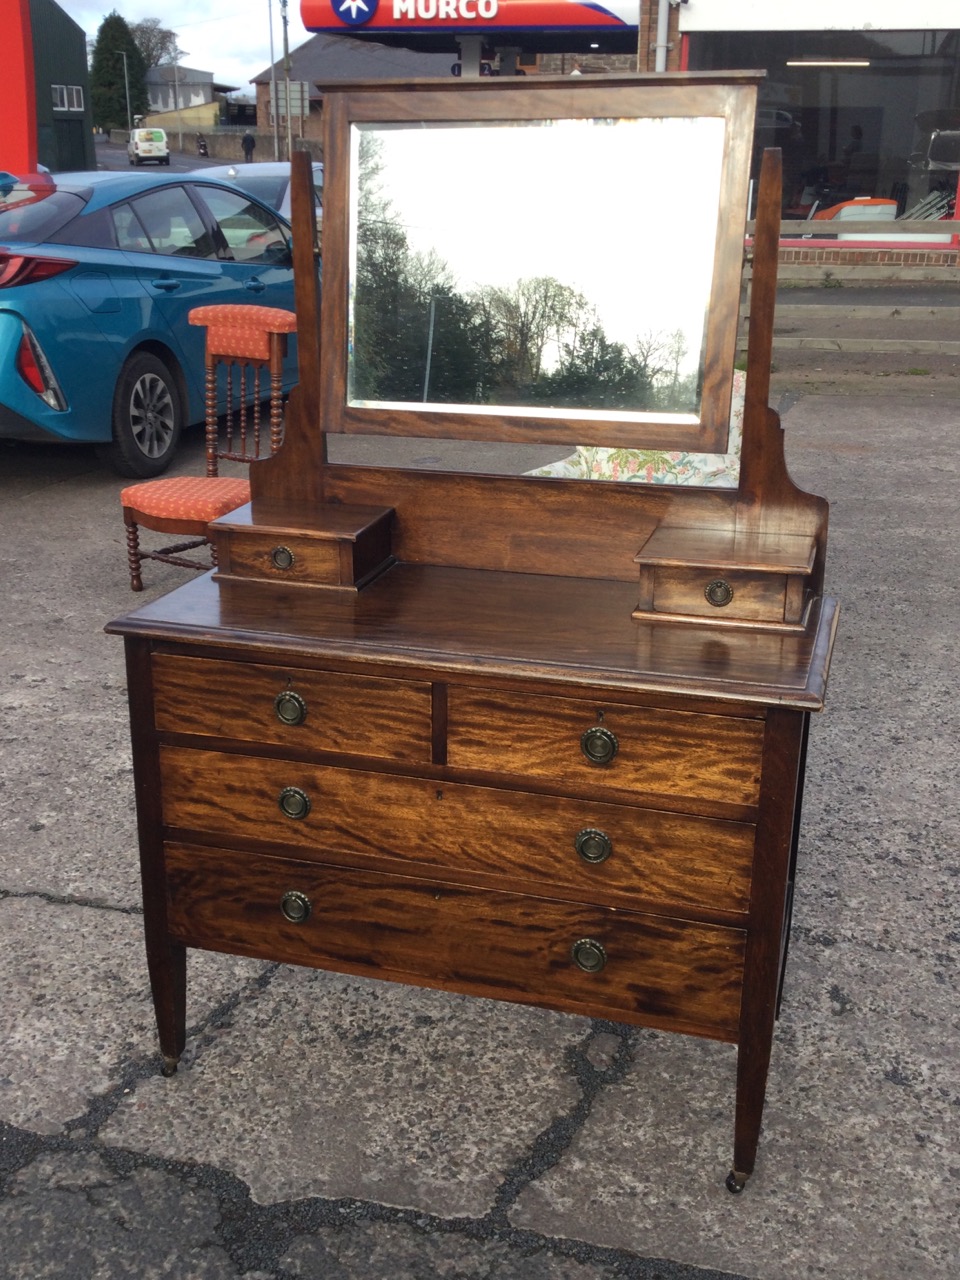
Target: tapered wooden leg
{"type": "Point", "coordinates": [168, 982]}
{"type": "Point", "coordinates": [753, 1063]}
{"type": "Point", "coordinates": [774, 852]}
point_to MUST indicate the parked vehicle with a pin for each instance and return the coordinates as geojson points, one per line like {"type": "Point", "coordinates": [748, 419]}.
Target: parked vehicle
{"type": "Point", "coordinates": [97, 274]}
{"type": "Point", "coordinates": [268, 180]}
{"type": "Point", "coordinates": [146, 145]}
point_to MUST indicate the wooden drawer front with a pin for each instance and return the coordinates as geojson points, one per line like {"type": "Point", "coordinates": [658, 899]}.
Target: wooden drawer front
{"type": "Point", "coordinates": [669, 753]}
{"type": "Point", "coordinates": [660, 857]}
{"type": "Point", "coordinates": [757, 597]}
{"type": "Point", "coordinates": [349, 715]}
{"type": "Point", "coordinates": [658, 971]}
{"type": "Point", "coordinates": [311, 559]}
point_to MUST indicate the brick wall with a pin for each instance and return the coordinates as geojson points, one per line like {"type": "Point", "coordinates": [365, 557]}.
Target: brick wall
{"type": "Point", "coordinates": [643, 60]}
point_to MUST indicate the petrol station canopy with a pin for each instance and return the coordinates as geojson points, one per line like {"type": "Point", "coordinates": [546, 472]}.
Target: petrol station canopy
{"type": "Point", "coordinates": [541, 26]}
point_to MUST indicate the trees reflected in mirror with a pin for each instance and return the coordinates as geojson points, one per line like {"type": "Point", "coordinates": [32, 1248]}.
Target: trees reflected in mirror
{"type": "Point", "coordinates": [532, 266]}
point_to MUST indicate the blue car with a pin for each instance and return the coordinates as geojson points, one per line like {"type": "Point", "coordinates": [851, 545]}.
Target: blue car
{"type": "Point", "coordinates": [98, 272]}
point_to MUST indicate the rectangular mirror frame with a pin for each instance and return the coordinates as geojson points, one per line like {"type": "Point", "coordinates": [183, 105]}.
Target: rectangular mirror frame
{"type": "Point", "coordinates": [681, 96]}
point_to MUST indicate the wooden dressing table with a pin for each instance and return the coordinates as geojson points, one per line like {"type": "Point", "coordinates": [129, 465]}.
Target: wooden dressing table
{"type": "Point", "coordinates": [531, 739]}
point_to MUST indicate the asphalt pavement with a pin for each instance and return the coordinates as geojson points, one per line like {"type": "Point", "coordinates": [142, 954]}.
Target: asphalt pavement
{"type": "Point", "coordinates": [323, 1126]}
{"type": "Point", "coordinates": [113, 155]}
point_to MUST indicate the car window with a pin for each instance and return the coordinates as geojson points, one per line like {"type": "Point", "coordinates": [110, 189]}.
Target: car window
{"type": "Point", "coordinates": [268, 189]}
{"type": "Point", "coordinates": [172, 224]}
{"type": "Point", "coordinates": [130, 231]}
{"type": "Point", "coordinates": [34, 213]}
{"type": "Point", "coordinates": [252, 233]}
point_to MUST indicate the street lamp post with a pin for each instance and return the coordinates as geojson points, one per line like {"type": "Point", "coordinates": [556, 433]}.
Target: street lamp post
{"type": "Point", "coordinates": [126, 85]}
{"type": "Point", "coordinates": [275, 105]}
{"type": "Point", "coordinates": [286, 77]}
{"type": "Point", "coordinates": [176, 90]}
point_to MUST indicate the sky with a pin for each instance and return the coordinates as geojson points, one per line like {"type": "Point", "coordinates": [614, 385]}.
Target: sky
{"type": "Point", "coordinates": [590, 220]}
{"type": "Point", "coordinates": [231, 38]}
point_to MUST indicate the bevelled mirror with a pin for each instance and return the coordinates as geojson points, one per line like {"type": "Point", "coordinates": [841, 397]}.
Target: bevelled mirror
{"type": "Point", "coordinates": [512, 263]}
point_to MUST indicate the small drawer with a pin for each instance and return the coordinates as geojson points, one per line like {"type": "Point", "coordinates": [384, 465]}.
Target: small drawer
{"type": "Point", "coordinates": [339, 547]}
{"type": "Point", "coordinates": [572, 848]}
{"type": "Point", "coordinates": [596, 748]}
{"type": "Point", "coordinates": [288, 559]}
{"type": "Point", "coordinates": [728, 577]}
{"type": "Point", "coordinates": [301, 709]}
{"type": "Point", "coordinates": [565, 955]}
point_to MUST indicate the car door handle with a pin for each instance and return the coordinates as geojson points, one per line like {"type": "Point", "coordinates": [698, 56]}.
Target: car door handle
{"type": "Point", "coordinates": [254, 285]}
{"type": "Point", "coordinates": [166, 286]}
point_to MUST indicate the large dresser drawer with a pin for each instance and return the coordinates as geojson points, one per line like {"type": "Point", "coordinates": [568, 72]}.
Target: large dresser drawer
{"type": "Point", "coordinates": [585, 848]}
{"type": "Point", "coordinates": [667, 753]}
{"type": "Point", "coordinates": [302, 710]}
{"type": "Point", "coordinates": [656, 971]}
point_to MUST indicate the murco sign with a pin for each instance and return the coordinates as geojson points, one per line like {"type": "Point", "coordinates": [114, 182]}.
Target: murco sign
{"type": "Point", "coordinates": [468, 15]}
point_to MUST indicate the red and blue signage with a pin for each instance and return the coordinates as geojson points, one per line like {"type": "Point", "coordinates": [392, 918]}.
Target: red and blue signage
{"type": "Point", "coordinates": [467, 16]}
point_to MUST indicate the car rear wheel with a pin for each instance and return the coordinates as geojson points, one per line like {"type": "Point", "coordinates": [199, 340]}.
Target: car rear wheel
{"type": "Point", "coordinates": [147, 418]}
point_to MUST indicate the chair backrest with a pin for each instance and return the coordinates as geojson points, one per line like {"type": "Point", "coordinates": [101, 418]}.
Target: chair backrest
{"type": "Point", "coordinates": [245, 348]}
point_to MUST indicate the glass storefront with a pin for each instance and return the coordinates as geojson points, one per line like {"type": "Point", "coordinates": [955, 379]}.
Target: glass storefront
{"type": "Point", "coordinates": [856, 113]}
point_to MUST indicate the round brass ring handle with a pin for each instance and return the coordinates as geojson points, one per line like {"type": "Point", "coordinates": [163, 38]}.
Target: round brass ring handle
{"type": "Point", "coordinates": [599, 745]}
{"type": "Point", "coordinates": [295, 906]}
{"type": "Point", "coordinates": [718, 592]}
{"type": "Point", "coordinates": [592, 845]}
{"type": "Point", "coordinates": [290, 707]}
{"type": "Point", "coordinates": [282, 558]}
{"type": "Point", "coordinates": [589, 955]}
{"type": "Point", "coordinates": [293, 803]}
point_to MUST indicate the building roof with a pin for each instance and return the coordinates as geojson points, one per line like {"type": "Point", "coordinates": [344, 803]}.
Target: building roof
{"type": "Point", "coordinates": [327, 57]}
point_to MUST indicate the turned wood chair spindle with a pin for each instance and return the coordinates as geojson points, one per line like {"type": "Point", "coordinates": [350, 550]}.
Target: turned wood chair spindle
{"type": "Point", "coordinates": [249, 344]}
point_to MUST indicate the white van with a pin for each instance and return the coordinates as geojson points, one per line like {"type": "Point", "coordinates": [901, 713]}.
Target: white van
{"type": "Point", "coordinates": [148, 144]}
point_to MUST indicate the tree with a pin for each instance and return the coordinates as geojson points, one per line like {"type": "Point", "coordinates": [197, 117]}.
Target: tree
{"type": "Point", "coordinates": [108, 83]}
{"type": "Point", "coordinates": [156, 43]}
{"type": "Point", "coordinates": [533, 317]}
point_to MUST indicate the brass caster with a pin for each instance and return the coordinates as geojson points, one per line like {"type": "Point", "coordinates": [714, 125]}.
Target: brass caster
{"type": "Point", "coordinates": [169, 1067]}
{"type": "Point", "coordinates": [736, 1182]}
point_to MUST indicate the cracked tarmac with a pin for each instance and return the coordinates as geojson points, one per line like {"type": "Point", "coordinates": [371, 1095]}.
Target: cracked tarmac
{"type": "Point", "coordinates": [324, 1126]}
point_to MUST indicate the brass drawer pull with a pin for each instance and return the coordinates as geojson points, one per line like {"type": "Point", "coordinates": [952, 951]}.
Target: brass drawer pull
{"type": "Point", "coordinates": [718, 592]}
{"type": "Point", "coordinates": [599, 745]}
{"type": "Point", "coordinates": [589, 955]}
{"type": "Point", "coordinates": [293, 803]}
{"type": "Point", "coordinates": [592, 845]}
{"type": "Point", "coordinates": [290, 707]}
{"type": "Point", "coordinates": [282, 558]}
{"type": "Point", "coordinates": [295, 907]}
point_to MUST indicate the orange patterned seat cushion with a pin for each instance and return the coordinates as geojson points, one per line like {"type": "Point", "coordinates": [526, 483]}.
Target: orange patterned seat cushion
{"type": "Point", "coordinates": [197, 499]}
{"type": "Point", "coordinates": [241, 331]}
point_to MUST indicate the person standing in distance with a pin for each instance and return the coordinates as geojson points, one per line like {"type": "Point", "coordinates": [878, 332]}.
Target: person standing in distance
{"type": "Point", "coordinates": [248, 142]}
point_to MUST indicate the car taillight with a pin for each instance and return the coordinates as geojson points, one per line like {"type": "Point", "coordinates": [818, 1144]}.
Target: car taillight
{"type": "Point", "coordinates": [22, 268]}
{"type": "Point", "coordinates": [34, 368]}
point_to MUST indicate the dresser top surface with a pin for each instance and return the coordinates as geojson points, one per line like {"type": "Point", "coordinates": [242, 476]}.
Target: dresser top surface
{"type": "Point", "coordinates": [484, 623]}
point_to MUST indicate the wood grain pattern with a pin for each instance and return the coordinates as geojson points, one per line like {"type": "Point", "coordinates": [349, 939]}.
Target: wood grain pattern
{"type": "Point", "coordinates": [349, 715]}
{"type": "Point", "coordinates": [509, 946]}
{"type": "Point", "coordinates": [503, 625]}
{"type": "Point", "coordinates": [453, 830]}
{"type": "Point", "coordinates": [757, 597]}
{"type": "Point", "coordinates": [660, 753]}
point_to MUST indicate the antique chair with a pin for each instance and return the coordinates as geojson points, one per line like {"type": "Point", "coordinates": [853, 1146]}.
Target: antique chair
{"type": "Point", "coordinates": [244, 341]}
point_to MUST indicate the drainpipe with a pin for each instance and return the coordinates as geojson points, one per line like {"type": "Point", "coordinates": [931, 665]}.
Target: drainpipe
{"type": "Point", "coordinates": [663, 25]}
